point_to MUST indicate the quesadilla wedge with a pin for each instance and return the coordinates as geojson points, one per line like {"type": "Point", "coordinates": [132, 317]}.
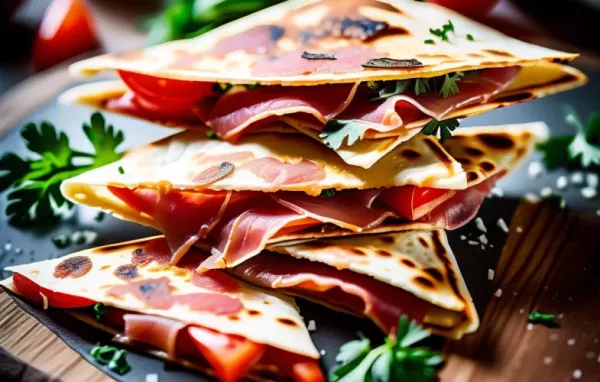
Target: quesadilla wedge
{"type": "Point", "coordinates": [270, 188]}
{"type": "Point", "coordinates": [336, 70]}
{"type": "Point", "coordinates": [213, 321]}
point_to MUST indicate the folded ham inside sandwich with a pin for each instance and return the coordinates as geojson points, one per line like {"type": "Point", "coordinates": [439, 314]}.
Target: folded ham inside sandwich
{"type": "Point", "coordinates": [361, 77]}
{"type": "Point", "coordinates": [212, 322]}
{"type": "Point", "coordinates": [268, 188]}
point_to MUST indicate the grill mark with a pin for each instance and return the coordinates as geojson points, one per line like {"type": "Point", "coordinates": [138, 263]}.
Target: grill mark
{"type": "Point", "coordinates": [500, 53]}
{"type": "Point", "coordinates": [287, 321]}
{"type": "Point", "coordinates": [487, 166]}
{"type": "Point", "coordinates": [442, 155]}
{"type": "Point", "coordinates": [410, 154]}
{"type": "Point", "coordinates": [253, 312]}
{"type": "Point", "coordinates": [356, 251]}
{"type": "Point", "coordinates": [383, 253]}
{"type": "Point", "coordinates": [473, 151]}
{"type": "Point", "coordinates": [435, 273]}
{"type": "Point", "coordinates": [387, 239]}
{"type": "Point", "coordinates": [497, 141]}
{"type": "Point", "coordinates": [409, 263]}
{"type": "Point", "coordinates": [472, 176]}
{"type": "Point", "coordinates": [424, 281]}
{"type": "Point", "coordinates": [423, 242]}
{"type": "Point", "coordinates": [518, 97]}
{"type": "Point", "coordinates": [441, 254]}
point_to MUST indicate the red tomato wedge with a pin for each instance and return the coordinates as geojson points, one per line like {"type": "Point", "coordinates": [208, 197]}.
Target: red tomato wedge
{"type": "Point", "coordinates": [66, 30]}
{"type": "Point", "coordinates": [231, 356]}
{"type": "Point", "coordinates": [33, 292]}
{"type": "Point", "coordinates": [308, 371]}
{"type": "Point", "coordinates": [414, 202]}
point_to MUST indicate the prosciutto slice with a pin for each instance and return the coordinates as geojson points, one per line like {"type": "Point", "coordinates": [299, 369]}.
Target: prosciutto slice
{"type": "Point", "coordinates": [235, 111]}
{"type": "Point", "coordinates": [344, 289]}
{"type": "Point", "coordinates": [157, 331]}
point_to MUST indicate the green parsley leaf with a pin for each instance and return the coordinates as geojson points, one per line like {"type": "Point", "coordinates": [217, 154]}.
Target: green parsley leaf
{"type": "Point", "coordinates": [470, 37]}
{"type": "Point", "coordinates": [328, 193]}
{"type": "Point", "coordinates": [442, 32]}
{"type": "Point", "coordinates": [450, 87]}
{"type": "Point", "coordinates": [34, 183]}
{"type": "Point", "coordinates": [252, 86]}
{"type": "Point", "coordinates": [99, 216]}
{"type": "Point", "coordinates": [336, 131]}
{"type": "Point", "coordinates": [389, 89]}
{"type": "Point", "coordinates": [430, 42]}
{"type": "Point", "coordinates": [121, 170]}
{"type": "Point", "coordinates": [421, 86]}
{"type": "Point", "coordinates": [115, 358]}
{"type": "Point", "coordinates": [444, 127]}
{"type": "Point", "coordinates": [579, 151]}
{"type": "Point", "coordinates": [61, 241]}
{"type": "Point", "coordinates": [100, 310]}
{"type": "Point", "coordinates": [210, 134]}
{"type": "Point", "coordinates": [394, 360]}
{"type": "Point", "coordinates": [220, 88]}
{"type": "Point", "coordinates": [546, 319]}
{"type": "Point", "coordinates": [556, 200]}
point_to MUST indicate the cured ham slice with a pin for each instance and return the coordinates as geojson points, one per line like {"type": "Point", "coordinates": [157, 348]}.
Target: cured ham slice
{"type": "Point", "coordinates": [157, 331]}
{"type": "Point", "coordinates": [279, 173]}
{"type": "Point", "coordinates": [235, 111]}
{"type": "Point", "coordinates": [344, 289]}
{"type": "Point", "coordinates": [402, 109]}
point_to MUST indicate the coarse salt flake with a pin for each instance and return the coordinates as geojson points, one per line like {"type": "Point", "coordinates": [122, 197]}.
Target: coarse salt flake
{"type": "Point", "coordinates": [547, 360]}
{"type": "Point", "coordinates": [530, 326]}
{"type": "Point", "coordinates": [532, 198]}
{"type": "Point", "coordinates": [589, 192]}
{"type": "Point", "coordinates": [535, 169]}
{"type": "Point", "coordinates": [545, 192]}
{"type": "Point", "coordinates": [498, 293]}
{"type": "Point", "coordinates": [519, 229]}
{"type": "Point", "coordinates": [571, 341]}
{"type": "Point", "coordinates": [502, 225]}
{"type": "Point", "coordinates": [323, 352]}
{"type": "Point", "coordinates": [463, 237]}
{"type": "Point", "coordinates": [577, 374]}
{"type": "Point", "coordinates": [151, 377]}
{"type": "Point", "coordinates": [562, 182]}
{"type": "Point", "coordinates": [473, 242]}
{"type": "Point", "coordinates": [312, 326]}
{"type": "Point", "coordinates": [497, 192]}
{"type": "Point", "coordinates": [479, 224]}
{"type": "Point", "coordinates": [490, 274]}
{"type": "Point", "coordinates": [577, 177]}
{"type": "Point", "coordinates": [592, 179]}
{"type": "Point", "coordinates": [483, 239]}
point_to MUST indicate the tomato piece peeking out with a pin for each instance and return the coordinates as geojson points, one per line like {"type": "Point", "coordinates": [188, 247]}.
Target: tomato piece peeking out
{"type": "Point", "coordinates": [66, 30]}
{"type": "Point", "coordinates": [414, 202]}
{"type": "Point", "coordinates": [33, 292]}
{"type": "Point", "coordinates": [230, 356]}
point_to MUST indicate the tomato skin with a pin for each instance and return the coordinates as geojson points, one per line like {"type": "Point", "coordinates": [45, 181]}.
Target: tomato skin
{"type": "Point", "coordinates": [406, 200]}
{"type": "Point", "coordinates": [473, 8]}
{"type": "Point", "coordinates": [32, 292]}
{"type": "Point", "coordinates": [231, 356]}
{"type": "Point", "coordinates": [66, 30]}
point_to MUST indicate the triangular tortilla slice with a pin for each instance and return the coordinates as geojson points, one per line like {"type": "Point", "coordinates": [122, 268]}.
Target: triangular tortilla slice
{"type": "Point", "coordinates": [418, 261]}
{"type": "Point", "coordinates": [395, 29]}
{"type": "Point", "coordinates": [114, 274]}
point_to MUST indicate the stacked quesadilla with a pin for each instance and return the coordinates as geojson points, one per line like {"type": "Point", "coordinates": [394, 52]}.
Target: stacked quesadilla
{"type": "Point", "coordinates": [300, 169]}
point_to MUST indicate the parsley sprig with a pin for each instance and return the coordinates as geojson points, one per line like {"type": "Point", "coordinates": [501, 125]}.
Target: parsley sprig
{"type": "Point", "coordinates": [190, 18]}
{"type": "Point", "coordinates": [445, 128]}
{"type": "Point", "coordinates": [34, 183]}
{"type": "Point", "coordinates": [580, 151]}
{"type": "Point", "coordinates": [442, 33]}
{"type": "Point", "coordinates": [546, 319]}
{"type": "Point", "coordinates": [336, 131]}
{"type": "Point", "coordinates": [113, 357]}
{"type": "Point", "coordinates": [446, 85]}
{"type": "Point", "coordinates": [394, 360]}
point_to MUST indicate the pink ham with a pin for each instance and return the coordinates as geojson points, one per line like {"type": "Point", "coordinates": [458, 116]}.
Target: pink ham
{"type": "Point", "coordinates": [236, 111]}
{"type": "Point", "coordinates": [344, 289]}
{"type": "Point", "coordinates": [280, 173]}
{"type": "Point", "coordinates": [155, 330]}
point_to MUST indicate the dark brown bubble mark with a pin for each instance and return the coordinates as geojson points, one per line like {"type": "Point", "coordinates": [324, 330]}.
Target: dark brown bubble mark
{"type": "Point", "coordinates": [424, 281]}
{"type": "Point", "coordinates": [126, 272]}
{"type": "Point", "coordinates": [435, 273]}
{"type": "Point", "coordinates": [423, 242]}
{"type": "Point", "coordinates": [387, 239]}
{"type": "Point", "coordinates": [521, 151]}
{"type": "Point", "coordinates": [212, 174]}
{"type": "Point", "coordinates": [500, 53]}
{"type": "Point", "coordinates": [440, 252]}
{"type": "Point", "coordinates": [233, 318]}
{"type": "Point", "coordinates": [410, 154]}
{"type": "Point", "coordinates": [475, 55]}
{"type": "Point", "coordinates": [287, 321]}
{"type": "Point", "coordinates": [74, 267]}
{"type": "Point", "coordinates": [472, 176]}
{"type": "Point", "coordinates": [440, 153]}
{"type": "Point", "coordinates": [497, 141]}
{"type": "Point", "coordinates": [515, 98]}
{"type": "Point", "coordinates": [253, 312]}
{"type": "Point", "coordinates": [356, 251]}
{"type": "Point", "coordinates": [487, 166]}
{"type": "Point", "coordinates": [472, 151]}
{"type": "Point", "coordinates": [383, 253]}
{"type": "Point", "coordinates": [463, 160]}
{"type": "Point", "coordinates": [560, 61]}
{"type": "Point", "coordinates": [409, 263]}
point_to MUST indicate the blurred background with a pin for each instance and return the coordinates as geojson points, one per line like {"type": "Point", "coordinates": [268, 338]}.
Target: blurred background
{"type": "Point", "coordinates": [38, 34]}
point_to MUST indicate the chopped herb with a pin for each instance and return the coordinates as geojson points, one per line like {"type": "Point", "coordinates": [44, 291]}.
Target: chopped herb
{"type": "Point", "coordinates": [421, 86]}
{"type": "Point", "coordinates": [394, 360]}
{"type": "Point", "coordinates": [389, 89]}
{"type": "Point", "coordinates": [445, 128]}
{"type": "Point", "coordinates": [211, 134]}
{"type": "Point", "coordinates": [252, 86]}
{"type": "Point", "coordinates": [100, 310]}
{"type": "Point", "coordinates": [328, 193]}
{"type": "Point", "coordinates": [336, 131]}
{"type": "Point", "coordinates": [99, 216]}
{"type": "Point", "coordinates": [220, 88]}
{"type": "Point", "coordinates": [113, 357]}
{"type": "Point", "coordinates": [556, 200]}
{"type": "Point", "coordinates": [121, 170]}
{"type": "Point", "coordinates": [319, 56]}
{"type": "Point", "coordinates": [35, 195]}
{"type": "Point", "coordinates": [450, 87]}
{"type": "Point", "coordinates": [442, 32]}
{"type": "Point", "coordinates": [579, 151]}
{"type": "Point", "coordinates": [470, 37]}
{"type": "Point", "coordinates": [545, 319]}
{"type": "Point", "coordinates": [61, 241]}
{"type": "Point", "coordinates": [430, 42]}
{"type": "Point", "coordinates": [392, 63]}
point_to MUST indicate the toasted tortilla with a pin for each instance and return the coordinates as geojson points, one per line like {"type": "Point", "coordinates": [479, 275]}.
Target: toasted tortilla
{"type": "Point", "coordinates": [419, 261]}
{"type": "Point", "coordinates": [279, 324]}
{"type": "Point", "coordinates": [391, 29]}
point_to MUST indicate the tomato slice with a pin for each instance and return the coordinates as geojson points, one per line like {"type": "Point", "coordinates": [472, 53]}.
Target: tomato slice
{"type": "Point", "coordinates": [231, 356]}
{"type": "Point", "coordinates": [307, 371]}
{"type": "Point", "coordinates": [413, 202]}
{"type": "Point", "coordinates": [33, 292]}
{"type": "Point", "coordinates": [66, 30]}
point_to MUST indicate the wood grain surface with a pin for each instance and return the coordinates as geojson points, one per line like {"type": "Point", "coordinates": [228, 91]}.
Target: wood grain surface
{"type": "Point", "coordinates": [552, 265]}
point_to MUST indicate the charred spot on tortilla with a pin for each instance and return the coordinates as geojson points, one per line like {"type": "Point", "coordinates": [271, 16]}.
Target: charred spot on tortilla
{"type": "Point", "coordinates": [410, 154]}
{"type": "Point", "coordinates": [441, 154]}
{"type": "Point", "coordinates": [253, 312]}
{"type": "Point", "coordinates": [497, 141]}
{"type": "Point", "coordinates": [424, 281]}
{"type": "Point", "coordinates": [233, 318]}
{"type": "Point", "coordinates": [435, 273]}
{"type": "Point", "coordinates": [463, 160]}
{"type": "Point", "coordinates": [383, 253]}
{"type": "Point", "coordinates": [104, 267]}
{"type": "Point", "coordinates": [126, 272]}
{"type": "Point", "coordinates": [76, 266]}
{"type": "Point", "coordinates": [473, 151]}
{"type": "Point", "coordinates": [214, 173]}
{"type": "Point", "coordinates": [475, 55]}
{"type": "Point", "coordinates": [392, 63]}
{"type": "Point", "coordinates": [423, 242]}
{"type": "Point", "coordinates": [487, 166]}
{"type": "Point", "coordinates": [287, 321]}
{"type": "Point", "coordinates": [356, 251]}
{"type": "Point", "coordinates": [512, 98]}
{"type": "Point", "coordinates": [500, 53]}
{"type": "Point", "coordinates": [318, 56]}
{"type": "Point", "coordinates": [387, 239]}
{"type": "Point", "coordinates": [408, 262]}
{"type": "Point", "coordinates": [472, 176]}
